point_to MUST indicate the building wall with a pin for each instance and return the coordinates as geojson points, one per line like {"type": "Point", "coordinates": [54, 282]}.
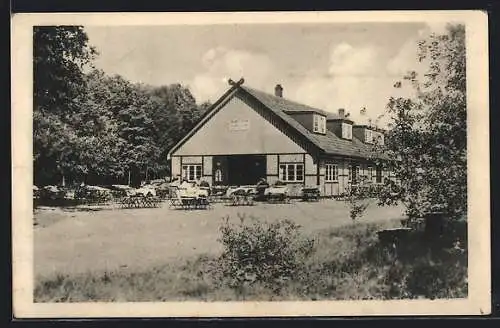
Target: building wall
{"type": "Point", "coordinates": [294, 188]}
{"type": "Point", "coordinates": [271, 179]}
{"type": "Point", "coordinates": [340, 186]}
{"type": "Point", "coordinates": [291, 158]}
{"type": "Point", "coordinates": [343, 176]}
{"type": "Point", "coordinates": [205, 161]}
{"type": "Point", "coordinates": [311, 167]}
{"type": "Point", "coordinates": [326, 188]}
{"type": "Point", "coordinates": [175, 166]}
{"type": "Point", "coordinates": [272, 168]}
{"type": "Point", "coordinates": [207, 166]}
{"type": "Point", "coordinates": [311, 171]}
{"type": "Point", "coordinates": [192, 160]}
{"type": "Point", "coordinates": [272, 164]}
{"type": "Point", "coordinates": [329, 188]}
{"type": "Point", "coordinates": [238, 129]}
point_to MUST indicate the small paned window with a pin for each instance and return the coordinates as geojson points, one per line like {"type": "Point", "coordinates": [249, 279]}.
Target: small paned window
{"type": "Point", "coordinates": [293, 172]}
{"type": "Point", "coordinates": [191, 172]}
{"type": "Point", "coordinates": [319, 124]}
{"type": "Point", "coordinates": [332, 173]}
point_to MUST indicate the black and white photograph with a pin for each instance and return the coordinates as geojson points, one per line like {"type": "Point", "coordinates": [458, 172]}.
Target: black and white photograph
{"type": "Point", "coordinates": [197, 164]}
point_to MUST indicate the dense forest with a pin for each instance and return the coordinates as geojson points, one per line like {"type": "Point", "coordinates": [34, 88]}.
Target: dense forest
{"type": "Point", "coordinates": [99, 129]}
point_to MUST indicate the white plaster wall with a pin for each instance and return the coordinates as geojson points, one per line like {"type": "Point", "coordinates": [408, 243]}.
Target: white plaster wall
{"type": "Point", "coordinates": [218, 137]}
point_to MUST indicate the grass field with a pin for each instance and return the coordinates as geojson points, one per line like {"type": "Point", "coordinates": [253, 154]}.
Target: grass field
{"type": "Point", "coordinates": [162, 254]}
{"type": "Point", "coordinates": [77, 241]}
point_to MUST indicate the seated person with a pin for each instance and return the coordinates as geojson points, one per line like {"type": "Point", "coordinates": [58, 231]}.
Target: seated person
{"type": "Point", "coordinates": [204, 184]}
{"type": "Point", "coordinates": [204, 187]}
{"type": "Point", "coordinates": [184, 184]}
{"type": "Point", "coordinates": [186, 187]}
{"type": "Point", "coordinates": [175, 182]}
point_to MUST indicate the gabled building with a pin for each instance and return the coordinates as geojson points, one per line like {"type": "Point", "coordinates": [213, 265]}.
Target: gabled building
{"type": "Point", "coordinates": [248, 135]}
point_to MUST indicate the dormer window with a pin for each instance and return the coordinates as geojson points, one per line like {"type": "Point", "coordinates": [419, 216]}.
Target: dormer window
{"type": "Point", "coordinates": [347, 131]}
{"type": "Point", "coordinates": [319, 123]}
{"type": "Point", "coordinates": [368, 136]}
{"type": "Point", "coordinates": [378, 138]}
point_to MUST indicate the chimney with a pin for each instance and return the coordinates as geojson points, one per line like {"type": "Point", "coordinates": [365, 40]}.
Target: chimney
{"type": "Point", "coordinates": [278, 91]}
{"type": "Point", "coordinates": [341, 113]}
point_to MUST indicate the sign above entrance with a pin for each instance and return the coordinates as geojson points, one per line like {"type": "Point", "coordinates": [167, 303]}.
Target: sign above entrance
{"type": "Point", "coordinates": [239, 125]}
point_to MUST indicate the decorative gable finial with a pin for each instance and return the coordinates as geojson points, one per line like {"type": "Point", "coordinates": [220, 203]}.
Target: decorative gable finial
{"type": "Point", "coordinates": [240, 82]}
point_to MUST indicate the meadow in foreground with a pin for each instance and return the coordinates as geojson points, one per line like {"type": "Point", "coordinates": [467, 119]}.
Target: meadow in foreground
{"type": "Point", "coordinates": [341, 263]}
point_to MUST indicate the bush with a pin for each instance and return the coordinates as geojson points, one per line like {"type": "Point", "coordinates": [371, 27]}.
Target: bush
{"type": "Point", "coordinates": [357, 198]}
{"type": "Point", "coordinates": [257, 252]}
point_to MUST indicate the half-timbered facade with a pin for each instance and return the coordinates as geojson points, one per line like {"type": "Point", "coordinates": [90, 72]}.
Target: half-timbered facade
{"type": "Point", "coordinates": [248, 135]}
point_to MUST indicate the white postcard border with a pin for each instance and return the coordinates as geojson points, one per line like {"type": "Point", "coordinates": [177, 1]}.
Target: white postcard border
{"type": "Point", "coordinates": [479, 300]}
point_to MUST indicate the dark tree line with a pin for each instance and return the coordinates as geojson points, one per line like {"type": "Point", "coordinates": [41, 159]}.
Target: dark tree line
{"type": "Point", "coordinates": [99, 129]}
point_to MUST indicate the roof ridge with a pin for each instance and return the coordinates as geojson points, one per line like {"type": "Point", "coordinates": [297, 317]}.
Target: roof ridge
{"type": "Point", "coordinates": [329, 143]}
{"type": "Point", "coordinates": [289, 101]}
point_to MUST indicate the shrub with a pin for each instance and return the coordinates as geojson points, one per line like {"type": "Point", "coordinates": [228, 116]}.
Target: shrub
{"type": "Point", "coordinates": [357, 207]}
{"type": "Point", "coordinates": [262, 253]}
{"type": "Point", "coordinates": [357, 198]}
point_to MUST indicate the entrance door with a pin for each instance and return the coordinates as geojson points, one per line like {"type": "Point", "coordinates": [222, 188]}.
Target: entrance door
{"type": "Point", "coordinates": [246, 169]}
{"type": "Point", "coordinates": [220, 171]}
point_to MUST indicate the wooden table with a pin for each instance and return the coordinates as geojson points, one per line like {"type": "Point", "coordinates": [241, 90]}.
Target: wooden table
{"type": "Point", "coordinates": [139, 202]}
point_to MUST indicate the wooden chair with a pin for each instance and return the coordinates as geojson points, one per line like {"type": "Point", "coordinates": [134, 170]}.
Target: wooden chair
{"type": "Point", "coordinates": [175, 198]}
{"type": "Point", "coordinates": [203, 203]}
{"type": "Point", "coordinates": [242, 197]}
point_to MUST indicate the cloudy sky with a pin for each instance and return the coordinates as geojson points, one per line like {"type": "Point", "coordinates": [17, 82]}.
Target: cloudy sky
{"type": "Point", "coordinates": [329, 66]}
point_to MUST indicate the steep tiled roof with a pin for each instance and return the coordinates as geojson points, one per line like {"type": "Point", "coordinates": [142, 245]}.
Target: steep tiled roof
{"type": "Point", "coordinates": [330, 143]}
{"type": "Point", "coordinates": [283, 104]}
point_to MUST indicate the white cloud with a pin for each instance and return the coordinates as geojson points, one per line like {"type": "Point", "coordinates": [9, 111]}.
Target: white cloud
{"type": "Point", "coordinates": [437, 27]}
{"type": "Point", "coordinates": [355, 80]}
{"type": "Point", "coordinates": [349, 61]}
{"type": "Point", "coordinates": [223, 63]}
{"type": "Point", "coordinates": [349, 92]}
{"type": "Point", "coordinates": [405, 60]}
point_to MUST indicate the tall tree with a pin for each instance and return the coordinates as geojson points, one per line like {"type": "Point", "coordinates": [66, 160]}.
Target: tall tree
{"type": "Point", "coordinates": [174, 115]}
{"type": "Point", "coordinates": [60, 54]}
{"type": "Point", "coordinates": [429, 134]}
{"type": "Point", "coordinates": [97, 128]}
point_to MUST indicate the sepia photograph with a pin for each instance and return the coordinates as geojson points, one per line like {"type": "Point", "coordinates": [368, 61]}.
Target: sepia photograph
{"type": "Point", "coordinates": [232, 164]}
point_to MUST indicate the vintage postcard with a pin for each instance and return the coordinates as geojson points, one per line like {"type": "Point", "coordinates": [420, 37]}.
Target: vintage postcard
{"type": "Point", "coordinates": [250, 164]}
